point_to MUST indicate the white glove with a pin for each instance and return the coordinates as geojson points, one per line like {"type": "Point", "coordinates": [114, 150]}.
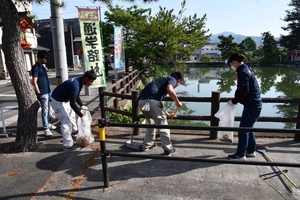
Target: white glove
{"type": "Point", "coordinates": [231, 104]}
{"type": "Point", "coordinates": [84, 108]}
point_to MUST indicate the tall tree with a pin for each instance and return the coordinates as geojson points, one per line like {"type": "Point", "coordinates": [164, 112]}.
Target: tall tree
{"type": "Point", "coordinates": [28, 105]}
{"type": "Point", "coordinates": [156, 43]}
{"type": "Point", "coordinates": [249, 44]}
{"type": "Point", "coordinates": [291, 41]}
{"type": "Point", "coordinates": [269, 48]}
{"type": "Point", "coordinates": [228, 47]}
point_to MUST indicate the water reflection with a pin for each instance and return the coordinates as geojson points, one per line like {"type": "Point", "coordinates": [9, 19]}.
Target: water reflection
{"type": "Point", "coordinates": [274, 82]}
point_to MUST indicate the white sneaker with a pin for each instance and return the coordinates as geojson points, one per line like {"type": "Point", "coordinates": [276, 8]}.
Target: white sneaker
{"type": "Point", "coordinates": [251, 154]}
{"type": "Point", "coordinates": [52, 127]}
{"type": "Point", "coordinates": [47, 133]}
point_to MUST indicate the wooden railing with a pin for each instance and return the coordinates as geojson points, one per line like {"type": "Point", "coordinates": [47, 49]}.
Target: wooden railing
{"type": "Point", "coordinates": [121, 89]}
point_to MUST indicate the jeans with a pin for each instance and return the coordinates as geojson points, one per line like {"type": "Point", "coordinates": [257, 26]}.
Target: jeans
{"type": "Point", "coordinates": [45, 105]}
{"type": "Point", "coordinates": [247, 142]}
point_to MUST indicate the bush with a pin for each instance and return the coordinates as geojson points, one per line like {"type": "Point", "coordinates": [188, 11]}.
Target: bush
{"type": "Point", "coordinates": [119, 118]}
{"type": "Point", "coordinates": [139, 88]}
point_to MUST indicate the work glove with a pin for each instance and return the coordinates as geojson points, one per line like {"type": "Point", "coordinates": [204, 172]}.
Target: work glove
{"type": "Point", "coordinates": [39, 96]}
{"type": "Point", "coordinates": [146, 107]}
{"type": "Point", "coordinates": [231, 104]}
{"type": "Point", "coordinates": [84, 108]}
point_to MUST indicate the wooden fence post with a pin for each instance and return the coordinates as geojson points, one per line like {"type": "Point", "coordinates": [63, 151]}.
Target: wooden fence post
{"type": "Point", "coordinates": [102, 102]}
{"type": "Point", "coordinates": [297, 136]}
{"type": "Point", "coordinates": [122, 85]}
{"type": "Point", "coordinates": [215, 105]}
{"type": "Point", "coordinates": [115, 90]}
{"type": "Point", "coordinates": [127, 83]}
{"type": "Point", "coordinates": [135, 110]}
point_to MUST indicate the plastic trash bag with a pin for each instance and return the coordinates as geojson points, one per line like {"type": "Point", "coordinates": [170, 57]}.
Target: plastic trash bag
{"type": "Point", "coordinates": [52, 112]}
{"type": "Point", "coordinates": [84, 136]}
{"type": "Point", "coordinates": [226, 115]}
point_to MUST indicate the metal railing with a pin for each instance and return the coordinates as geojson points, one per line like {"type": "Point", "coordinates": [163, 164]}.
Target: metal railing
{"type": "Point", "coordinates": [102, 123]}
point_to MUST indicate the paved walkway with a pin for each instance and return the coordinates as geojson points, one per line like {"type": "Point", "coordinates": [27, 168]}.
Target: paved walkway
{"type": "Point", "coordinates": [50, 173]}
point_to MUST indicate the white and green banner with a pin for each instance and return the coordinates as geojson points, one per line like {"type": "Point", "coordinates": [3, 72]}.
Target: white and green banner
{"type": "Point", "coordinates": [91, 44]}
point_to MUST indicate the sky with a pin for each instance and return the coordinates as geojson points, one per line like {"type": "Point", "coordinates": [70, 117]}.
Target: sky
{"type": "Point", "coordinates": [244, 17]}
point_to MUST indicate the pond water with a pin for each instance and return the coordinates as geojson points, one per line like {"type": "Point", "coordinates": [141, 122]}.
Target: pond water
{"type": "Point", "coordinates": [274, 82]}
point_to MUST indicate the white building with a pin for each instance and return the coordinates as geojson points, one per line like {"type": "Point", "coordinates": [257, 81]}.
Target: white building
{"type": "Point", "coordinates": [212, 50]}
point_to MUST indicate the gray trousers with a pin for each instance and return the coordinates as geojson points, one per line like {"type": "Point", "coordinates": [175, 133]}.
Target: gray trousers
{"type": "Point", "coordinates": [156, 115]}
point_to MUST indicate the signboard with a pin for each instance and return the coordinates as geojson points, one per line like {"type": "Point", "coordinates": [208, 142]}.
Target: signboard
{"type": "Point", "coordinates": [119, 56]}
{"type": "Point", "coordinates": [91, 44]}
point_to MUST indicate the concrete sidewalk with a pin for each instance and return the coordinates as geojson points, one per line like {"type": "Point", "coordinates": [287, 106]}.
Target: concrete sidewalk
{"type": "Point", "coordinates": [49, 173]}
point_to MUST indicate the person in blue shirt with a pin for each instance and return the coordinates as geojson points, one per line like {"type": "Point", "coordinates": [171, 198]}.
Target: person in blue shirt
{"type": "Point", "coordinates": [151, 105]}
{"type": "Point", "coordinates": [248, 94]}
{"type": "Point", "coordinates": [41, 86]}
{"type": "Point", "coordinates": [64, 99]}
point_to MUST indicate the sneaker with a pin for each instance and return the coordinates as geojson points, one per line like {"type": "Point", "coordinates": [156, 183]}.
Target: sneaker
{"type": "Point", "coordinates": [47, 133]}
{"type": "Point", "coordinates": [52, 127]}
{"type": "Point", "coordinates": [251, 154]}
{"type": "Point", "coordinates": [169, 152]}
{"type": "Point", "coordinates": [148, 148]}
{"type": "Point", "coordinates": [74, 147]}
{"type": "Point", "coordinates": [236, 157]}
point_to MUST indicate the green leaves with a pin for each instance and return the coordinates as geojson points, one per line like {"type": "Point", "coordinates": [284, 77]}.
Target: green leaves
{"type": "Point", "coordinates": [157, 44]}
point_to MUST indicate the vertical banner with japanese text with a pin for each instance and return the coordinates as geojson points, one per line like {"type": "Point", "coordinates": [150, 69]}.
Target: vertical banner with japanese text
{"type": "Point", "coordinates": [91, 44]}
{"type": "Point", "coordinates": [119, 57]}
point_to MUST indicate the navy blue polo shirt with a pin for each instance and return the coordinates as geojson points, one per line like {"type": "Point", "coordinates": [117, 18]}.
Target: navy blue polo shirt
{"type": "Point", "coordinates": [67, 89]}
{"type": "Point", "coordinates": [245, 77]}
{"type": "Point", "coordinates": [157, 89]}
{"type": "Point", "coordinates": [40, 72]}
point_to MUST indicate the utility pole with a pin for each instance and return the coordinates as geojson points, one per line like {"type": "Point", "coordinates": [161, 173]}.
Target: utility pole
{"type": "Point", "coordinates": [72, 46]}
{"type": "Point", "coordinates": [59, 47]}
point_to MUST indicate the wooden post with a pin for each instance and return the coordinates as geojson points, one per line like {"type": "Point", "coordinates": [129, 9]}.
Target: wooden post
{"type": "Point", "coordinates": [297, 136]}
{"type": "Point", "coordinates": [115, 90]}
{"type": "Point", "coordinates": [127, 83]}
{"type": "Point", "coordinates": [215, 105]}
{"type": "Point", "coordinates": [132, 77]}
{"type": "Point", "coordinates": [122, 85]}
{"type": "Point", "coordinates": [102, 102]}
{"type": "Point", "coordinates": [135, 110]}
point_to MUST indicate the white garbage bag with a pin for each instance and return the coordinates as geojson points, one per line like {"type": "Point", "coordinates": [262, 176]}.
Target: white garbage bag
{"type": "Point", "coordinates": [84, 136]}
{"type": "Point", "coordinates": [226, 115]}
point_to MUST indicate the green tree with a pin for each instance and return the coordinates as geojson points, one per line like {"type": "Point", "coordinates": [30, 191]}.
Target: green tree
{"type": "Point", "coordinates": [228, 47]}
{"type": "Point", "coordinates": [269, 48]}
{"type": "Point", "coordinates": [249, 56]}
{"type": "Point", "coordinates": [205, 57]}
{"type": "Point", "coordinates": [155, 44]}
{"type": "Point", "coordinates": [28, 105]}
{"type": "Point", "coordinates": [249, 44]}
{"type": "Point", "coordinates": [129, 18]}
{"type": "Point", "coordinates": [291, 41]}
{"type": "Point", "coordinates": [108, 35]}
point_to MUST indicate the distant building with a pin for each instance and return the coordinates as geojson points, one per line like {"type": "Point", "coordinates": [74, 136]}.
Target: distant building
{"type": "Point", "coordinates": [72, 38]}
{"type": "Point", "coordinates": [212, 50]}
